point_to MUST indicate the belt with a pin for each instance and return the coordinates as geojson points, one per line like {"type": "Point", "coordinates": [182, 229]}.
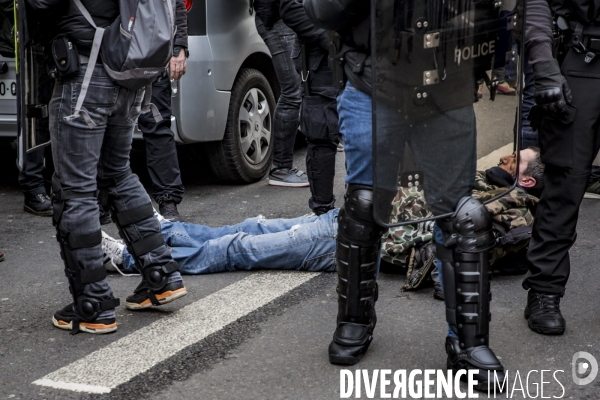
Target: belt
{"type": "Point", "coordinates": [576, 26]}
{"type": "Point", "coordinates": [86, 60]}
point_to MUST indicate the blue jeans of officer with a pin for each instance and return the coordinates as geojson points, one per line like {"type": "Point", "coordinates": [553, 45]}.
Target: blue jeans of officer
{"type": "Point", "coordinates": [280, 40]}
{"type": "Point", "coordinates": [303, 244]}
{"type": "Point", "coordinates": [82, 154]}
{"type": "Point", "coordinates": [454, 132]}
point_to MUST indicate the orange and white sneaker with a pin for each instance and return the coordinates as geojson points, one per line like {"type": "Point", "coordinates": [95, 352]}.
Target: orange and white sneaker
{"type": "Point", "coordinates": [143, 297]}
{"type": "Point", "coordinates": [65, 318]}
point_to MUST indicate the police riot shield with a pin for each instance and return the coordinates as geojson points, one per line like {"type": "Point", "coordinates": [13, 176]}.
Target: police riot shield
{"type": "Point", "coordinates": [446, 95]}
{"type": "Point", "coordinates": [34, 87]}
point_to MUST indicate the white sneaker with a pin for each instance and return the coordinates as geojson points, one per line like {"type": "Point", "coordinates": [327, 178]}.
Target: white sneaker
{"type": "Point", "coordinates": [590, 195]}
{"type": "Point", "coordinates": [113, 248]}
{"type": "Point", "coordinates": [159, 217]}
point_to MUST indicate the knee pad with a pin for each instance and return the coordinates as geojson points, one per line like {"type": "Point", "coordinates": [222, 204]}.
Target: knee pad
{"type": "Point", "coordinates": [355, 221]}
{"type": "Point", "coordinates": [60, 196]}
{"type": "Point", "coordinates": [470, 228]}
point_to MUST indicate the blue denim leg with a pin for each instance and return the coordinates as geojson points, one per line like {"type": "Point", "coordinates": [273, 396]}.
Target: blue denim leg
{"type": "Point", "coordinates": [305, 243]}
{"type": "Point", "coordinates": [438, 264]}
{"type": "Point", "coordinates": [355, 113]}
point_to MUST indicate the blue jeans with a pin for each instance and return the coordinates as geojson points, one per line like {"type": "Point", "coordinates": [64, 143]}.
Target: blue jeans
{"type": "Point", "coordinates": [302, 244]}
{"type": "Point", "coordinates": [286, 118]}
{"type": "Point", "coordinates": [447, 140]}
{"type": "Point", "coordinates": [356, 126]}
{"type": "Point", "coordinates": [82, 154]}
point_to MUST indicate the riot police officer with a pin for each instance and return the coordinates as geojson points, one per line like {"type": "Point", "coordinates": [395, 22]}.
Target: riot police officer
{"type": "Point", "coordinates": [319, 118]}
{"type": "Point", "coordinates": [91, 161]}
{"type": "Point", "coordinates": [567, 114]}
{"type": "Point", "coordinates": [438, 124]}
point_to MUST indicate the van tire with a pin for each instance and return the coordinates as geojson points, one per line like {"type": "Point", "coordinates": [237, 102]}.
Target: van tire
{"type": "Point", "coordinates": [227, 158]}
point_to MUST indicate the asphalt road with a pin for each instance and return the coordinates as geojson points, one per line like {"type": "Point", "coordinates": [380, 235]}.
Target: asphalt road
{"type": "Point", "coordinates": [252, 345]}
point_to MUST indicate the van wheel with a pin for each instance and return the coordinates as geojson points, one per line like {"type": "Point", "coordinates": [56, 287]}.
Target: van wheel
{"type": "Point", "coordinates": [245, 153]}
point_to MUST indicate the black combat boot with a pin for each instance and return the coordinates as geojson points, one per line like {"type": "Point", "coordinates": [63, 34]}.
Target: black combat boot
{"type": "Point", "coordinates": [543, 313]}
{"type": "Point", "coordinates": [38, 204]}
{"type": "Point", "coordinates": [168, 208]}
{"type": "Point", "coordinates": [482, 358]}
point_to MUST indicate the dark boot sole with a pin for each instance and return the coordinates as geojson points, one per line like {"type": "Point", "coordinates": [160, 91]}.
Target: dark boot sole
{"type": "Point", "coordinates": [480, 387]}
{"type": "Point", "coordinates": [542, 330]}
{"type": "Point", "coordinates": [38, 213]}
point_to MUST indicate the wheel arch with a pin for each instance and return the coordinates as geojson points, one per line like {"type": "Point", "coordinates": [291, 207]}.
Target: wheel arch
{"type": "Point", "coordinates": [263, 63]}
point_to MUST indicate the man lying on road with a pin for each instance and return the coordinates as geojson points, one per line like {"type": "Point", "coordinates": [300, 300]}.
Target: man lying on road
{"type": "Point", "coordinates": [308, 243]}
{"type": "Point", "coordinates": [411, 246]}
{"type": "Point", "coordinates": [305, 244]}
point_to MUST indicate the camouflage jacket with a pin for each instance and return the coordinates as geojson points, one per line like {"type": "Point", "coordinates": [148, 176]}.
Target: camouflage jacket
{"type": "Point", "coordinates": [515, 209]}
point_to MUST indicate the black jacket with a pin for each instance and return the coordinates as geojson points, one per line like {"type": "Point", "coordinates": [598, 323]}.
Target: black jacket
{"type": "Point", "coordinates": [181, 35]}
{"type": "Point", "coordinates": [68, 21]}
{"type": "Point", "coordinates": [267, 11]}
{"type": "Point", "coordinates": [351, 19]}
{"type": "Point", "coordinates": [293, 15]}
{"type": "Point", "coordinates": [538, 31]}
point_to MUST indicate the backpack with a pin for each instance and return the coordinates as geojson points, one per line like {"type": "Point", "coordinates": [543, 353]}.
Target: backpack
{"type": "Point", "coordinates": [135, 48]}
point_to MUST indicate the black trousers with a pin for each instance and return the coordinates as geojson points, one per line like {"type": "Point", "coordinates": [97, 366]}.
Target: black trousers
{"type": "Point", "coordinates": [319, 122]}
{"type": "Point", "coordinates": [36, 175]}
{"type": "Point", "coordinates": [568, 149]}
{"type": "Point", "coordinates": [161, 154]}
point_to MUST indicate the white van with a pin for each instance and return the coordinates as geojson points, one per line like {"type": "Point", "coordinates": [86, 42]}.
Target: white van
{"type": "Point", "coordinates": [226, 99]}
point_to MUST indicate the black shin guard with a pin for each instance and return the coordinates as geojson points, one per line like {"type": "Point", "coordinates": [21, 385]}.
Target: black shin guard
{"type": "Point", "coordinates": [358, 244]}
{"type": "Point", "coordinates": [154, 277]}
{"type": "Point", "coordinates": [86, 308]}
{"type": "Point", "coordinates": [465, 260]}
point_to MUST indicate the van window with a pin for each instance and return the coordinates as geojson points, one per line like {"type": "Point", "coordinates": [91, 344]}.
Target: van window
{"type": "Point", "coordinates": [197, 18]}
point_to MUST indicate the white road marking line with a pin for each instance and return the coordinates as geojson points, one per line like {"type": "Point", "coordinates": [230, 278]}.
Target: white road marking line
{"type": "Point", "coordinates": [491, 160]}
{"type": "Point", "coordinates": [76, 387]}
{"type": "Point", "coordinates": [120, 361]}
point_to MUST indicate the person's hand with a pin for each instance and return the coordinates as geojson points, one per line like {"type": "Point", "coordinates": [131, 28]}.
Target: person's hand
{"type": "Point", "coordinates": [178, 65]}
{"type": "Point", "coordinates": [552, 93]}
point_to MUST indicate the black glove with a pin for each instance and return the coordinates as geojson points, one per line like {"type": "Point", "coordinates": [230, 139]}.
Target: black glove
{"type": "Point", "coordinates": [552, 93]}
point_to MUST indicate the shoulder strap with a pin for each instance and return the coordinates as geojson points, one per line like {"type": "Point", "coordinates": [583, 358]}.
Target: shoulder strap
{"type": "Point", "coordinates": [90, 69]}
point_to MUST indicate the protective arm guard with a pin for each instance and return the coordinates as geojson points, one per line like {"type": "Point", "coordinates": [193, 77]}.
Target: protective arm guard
{"type": "Point", "coordinates": [465, 259]}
